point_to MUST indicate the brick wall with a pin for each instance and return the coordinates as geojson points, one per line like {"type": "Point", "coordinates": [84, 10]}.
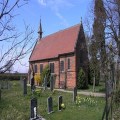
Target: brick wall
{"type": "Point", "coordinates": [68, 76]}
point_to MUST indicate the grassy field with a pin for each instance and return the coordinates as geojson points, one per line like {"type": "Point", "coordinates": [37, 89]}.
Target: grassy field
{"type": "Point", "coordinates": [15, 106]}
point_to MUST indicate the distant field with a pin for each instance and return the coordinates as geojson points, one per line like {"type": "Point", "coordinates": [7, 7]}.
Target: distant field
{"type": "Point", "coordinates": [15, 106]}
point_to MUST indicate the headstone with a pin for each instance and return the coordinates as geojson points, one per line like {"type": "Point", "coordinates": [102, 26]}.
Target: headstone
{"type": "Point", "coordinates": [51, 83]}
{"type": "Point", "coordinates": [60, 101]}
{"type": "Point", "coordinates": [32, 83]}
{"type": "Point", "coordinates": [50, 105]}
{"type": "Point", "coordinates": [33, 108]}
{"type": "Point", "coordinates": [74, 93]}
{"type": "Point", "coordinates": [24, 86]}
{"type": "Point", "coordinates": [45, 83]}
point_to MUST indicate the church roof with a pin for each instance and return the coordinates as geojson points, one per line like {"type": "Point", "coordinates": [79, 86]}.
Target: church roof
{"type": "Point", "coordinates": [51, 46]}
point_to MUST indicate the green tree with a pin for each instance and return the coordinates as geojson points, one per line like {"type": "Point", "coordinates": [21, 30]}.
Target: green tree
{"type": "Point", "coordinates": [45, 73]}
{"type": "Point", "coordinates": [99, 31]}
{"type": "Point", "coordinates": [81, 83]}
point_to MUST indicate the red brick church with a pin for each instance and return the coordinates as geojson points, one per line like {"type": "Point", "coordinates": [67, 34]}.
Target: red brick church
{"type": "Point", "coordinates": [65, 52]}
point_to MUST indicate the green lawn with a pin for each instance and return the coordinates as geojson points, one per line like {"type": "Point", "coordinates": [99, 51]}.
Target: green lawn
{"type": "Point", "coordinates": [15, 106]}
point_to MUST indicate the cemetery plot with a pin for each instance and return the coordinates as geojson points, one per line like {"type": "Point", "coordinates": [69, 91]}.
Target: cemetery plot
{"type": "Point", "coordinates": [60, 101]}
{"type": "Point", "coordinates": [12, 100]}
{"type": "Point", "coordinates": [33, 115]}
{"type": "Point", "coordinates": [74, 93]}
{"type": "Point", "coordinates": [24, 86]}
{"type": "Point", "coordinates": [50, 105]}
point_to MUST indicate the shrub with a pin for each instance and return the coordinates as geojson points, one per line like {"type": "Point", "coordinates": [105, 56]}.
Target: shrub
{"type": "Point", "coordinates": [12, 76]}
{"type": "Point", "coordinates": [38, 79]}
{"type": "Point", "coordinates": [37, 93]}
{"type": "Point", "coordinates": [82, 83]}
{"type": "Point", "coordinates": [45, 73]}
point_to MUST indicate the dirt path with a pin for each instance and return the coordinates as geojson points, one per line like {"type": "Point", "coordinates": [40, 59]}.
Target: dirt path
{"type": "Point", "coordinates": [84, 93]}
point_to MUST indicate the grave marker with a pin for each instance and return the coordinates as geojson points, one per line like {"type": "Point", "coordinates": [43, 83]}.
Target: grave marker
{"type": "Point", "coordinates": [50, 105]}
{"type": "Point", "coordinates": [74, 93]}
{"type": "Point", "coordinates": [34, 115]}
{"type": "Point", "coordinates": [32, 83]}
{"type": "Point", "coordinates": [24, 86]}
{"type": "Point", "coordinates": [51, 83]}
{"type": "Point", "coordinates": [60, 101]}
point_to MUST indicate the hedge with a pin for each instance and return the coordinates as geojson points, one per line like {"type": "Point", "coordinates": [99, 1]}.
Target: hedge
{"type": "Point", "coordinates": [12, 76]}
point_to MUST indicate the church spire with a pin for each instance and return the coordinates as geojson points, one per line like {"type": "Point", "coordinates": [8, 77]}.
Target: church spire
{"type": "Point", "coordinates": [81, 21]}
{"type": "Point", "coordinates": [40, 30]}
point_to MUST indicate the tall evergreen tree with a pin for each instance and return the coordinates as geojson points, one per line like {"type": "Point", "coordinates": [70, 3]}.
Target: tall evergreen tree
{"type": "Point", "coordinates": [99, 30]}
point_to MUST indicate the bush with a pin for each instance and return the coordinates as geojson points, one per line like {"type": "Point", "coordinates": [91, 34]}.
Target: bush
{"type": "Point", "coordinates": [12, 76]}
{"type": "Point", "coordinates": [37, 92]}
{"type": "Point", "coordinates": [38, 79]}
{"type": "Point", "coordinates": [81, 83]}
{"type": "Point", "coordinates": [45, 73]}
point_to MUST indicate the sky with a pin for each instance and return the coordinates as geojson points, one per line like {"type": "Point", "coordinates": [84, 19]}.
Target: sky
{"type": "Point", "coordinates": [55, 15]}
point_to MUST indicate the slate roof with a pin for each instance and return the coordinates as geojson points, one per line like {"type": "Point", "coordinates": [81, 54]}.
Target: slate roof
{"type": "Point", "coordinates": [51, 46]}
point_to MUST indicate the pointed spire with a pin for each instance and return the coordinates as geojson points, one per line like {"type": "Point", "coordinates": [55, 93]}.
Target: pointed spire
{"type": "Point", "coordinates": [81, 20]}
{"type": "Point", "coordinates": [40, 30]}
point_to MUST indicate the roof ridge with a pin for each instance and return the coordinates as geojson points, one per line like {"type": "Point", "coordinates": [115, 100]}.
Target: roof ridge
{"type": "Point", "coordinates": [60, 31]}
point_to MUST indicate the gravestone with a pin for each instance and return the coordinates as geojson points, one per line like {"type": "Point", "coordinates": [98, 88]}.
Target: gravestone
{"type": "Point", "coordinates": [50, 105]}
{"type": "Point", "coordinates": [60, 101]}
{"type": "Point", "coordinates": [45, 83]}
{"type": "Point", "coordinates": [25, 86]}
{"type": "Point", "coordinates": [51, 83]}
{"type": "Point", "coordinates": [33, 108]}
{"type": "Point", "coordinates": [32, 84]}
{"type": "Point", "coordinates": [74, 93]}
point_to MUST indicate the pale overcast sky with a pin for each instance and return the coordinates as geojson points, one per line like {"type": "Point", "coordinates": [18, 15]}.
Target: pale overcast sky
{"type": "Point", "coordinates": [55, 15]}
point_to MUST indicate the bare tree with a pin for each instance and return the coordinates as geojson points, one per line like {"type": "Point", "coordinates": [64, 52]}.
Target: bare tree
{"type": "Point", "coordinates": [14, 46]}
{"type": "Point", "coordinates": [113, 31]}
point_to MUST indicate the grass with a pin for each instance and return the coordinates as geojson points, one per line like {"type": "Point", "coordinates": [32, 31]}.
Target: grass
{"type": "Point", "coordinates": [15, 106]}
{"type": "Point", "coordinates": [100, 88]}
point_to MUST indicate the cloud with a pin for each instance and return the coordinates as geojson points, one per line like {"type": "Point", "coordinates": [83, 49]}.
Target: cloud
{"type": "Point", "coordinates": [56, 6]}
{"type": "Point", "coordinates": [64, 21]}
{"type": "Point", "coordinates": [42, 2]}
